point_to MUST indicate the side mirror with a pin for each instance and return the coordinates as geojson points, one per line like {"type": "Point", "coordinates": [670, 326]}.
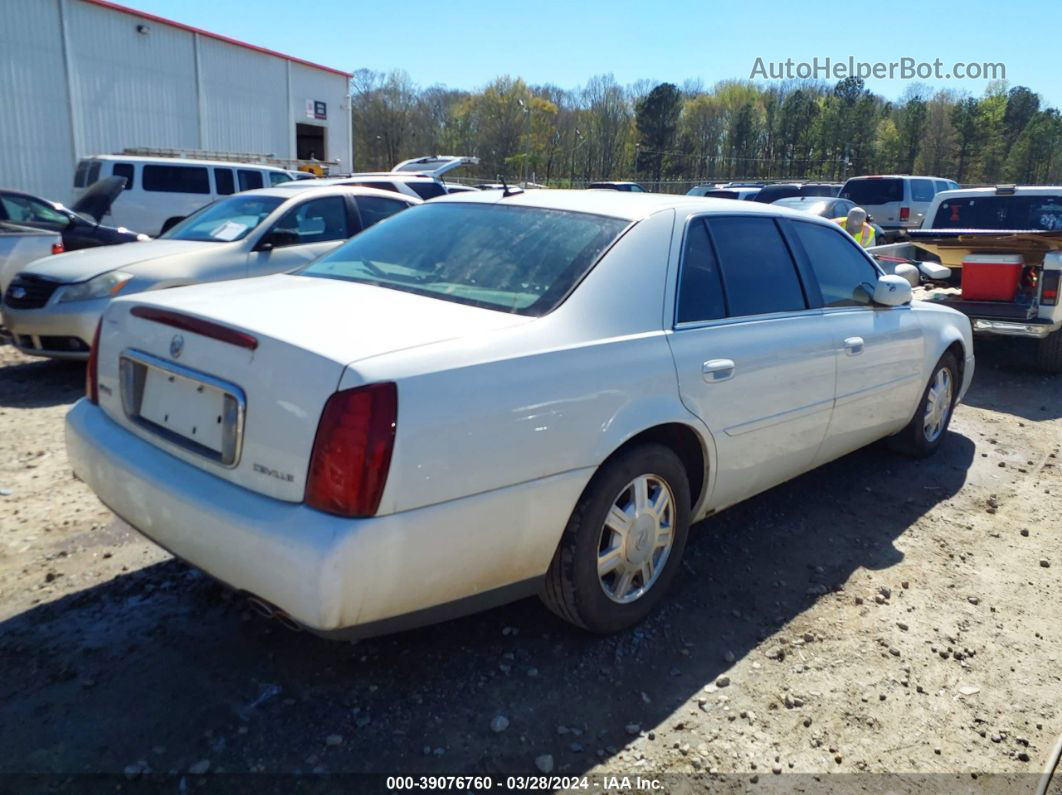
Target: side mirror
{"type": "Point", "coordinates": [908, 272]}
{"type": "Point", "coordinates": [278, 238]}
{"type": "Point", "coordinates": [892, 290]}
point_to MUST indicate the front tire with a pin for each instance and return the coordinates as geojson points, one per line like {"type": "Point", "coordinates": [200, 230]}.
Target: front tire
{"type": "Point", "coordinates": [623, 544]}
{"type": "Point", "coordinates": [924, 433]}
{"type": "Point", "coordinates": [1049, 352]}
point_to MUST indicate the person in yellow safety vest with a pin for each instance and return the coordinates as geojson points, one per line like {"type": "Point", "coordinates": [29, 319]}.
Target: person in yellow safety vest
{"type": "Point", "coordinates": [855, 223]}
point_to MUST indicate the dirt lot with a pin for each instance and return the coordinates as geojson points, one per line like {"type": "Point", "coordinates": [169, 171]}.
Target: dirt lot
{"type": "Point", "coordinates": [877, 615]}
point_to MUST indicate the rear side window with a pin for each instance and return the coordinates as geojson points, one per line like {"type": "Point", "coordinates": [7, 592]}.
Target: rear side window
{"type": "Point", "coordinates": [873, 191]}
{"type": "Point", "coordinates": [124, 170]}
{"type": "Point", "coordinates": [759, 275]}
{"type": "Point", "coordinates": [378, 185]}
{"type": "Point", "coordinates": [922, 190]}
{"type": "Point", "coordinates": [700, 293]}
{"type": "Point", "coordinates": [224, 181]}
{"type": "Point", "coordinates": [374, 209]}
{"type": "Point", "coordinates": [839, 267]}
{"type": "Point", "coordinates": [818, 190]}
{"type": "Point", "coordinates": [249, 180]}
{"type": "Point", "coordinates": [176, 179]}
{"type": "Point", "coordinates": [427, 190]}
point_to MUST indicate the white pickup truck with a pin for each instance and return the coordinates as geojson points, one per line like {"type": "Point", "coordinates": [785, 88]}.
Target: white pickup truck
{"type": "Point", "coordinates": [20, 245]}
{"type": "Point", "coordinates": [994, 254]}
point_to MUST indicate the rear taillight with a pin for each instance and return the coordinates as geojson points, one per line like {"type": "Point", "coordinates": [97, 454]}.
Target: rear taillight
{"type": "Point", "coordinates": [57, 248]}
{"type": "Point", "coordinates": [905, 213]}
{"type": "Point", "coordinates": [1049, 289]}
{"type": "Point", "coordinates": [92, 376]}
{"type": "Point", "coordinates": [352, 451]}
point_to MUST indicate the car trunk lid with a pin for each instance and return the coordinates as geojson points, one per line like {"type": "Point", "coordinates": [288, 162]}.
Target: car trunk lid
{"type": "Point", "coordinates": [232, 377]}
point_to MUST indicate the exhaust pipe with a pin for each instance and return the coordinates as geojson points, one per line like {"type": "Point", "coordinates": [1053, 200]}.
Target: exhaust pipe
{"type": "Point", "coordinates": [267, 610]}
{"type": "Point", "coordinates": [287, 621]}
{"type": "Point", "coordinates": [260, 607]}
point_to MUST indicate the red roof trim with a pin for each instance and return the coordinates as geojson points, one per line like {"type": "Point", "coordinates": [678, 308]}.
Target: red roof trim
{"type": "Point", "coordinates": [217, 36]}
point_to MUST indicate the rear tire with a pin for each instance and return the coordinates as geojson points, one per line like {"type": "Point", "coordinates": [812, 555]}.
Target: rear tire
{"type": "Point", "coordinates": [927, 427]}
{"type": "Point", "coordinates": [1049, 353]}
{"type": "Point", "coordinates": [623, 544]}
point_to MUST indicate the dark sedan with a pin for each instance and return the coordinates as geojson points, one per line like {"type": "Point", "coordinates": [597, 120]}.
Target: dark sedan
{"type": "Point", "coordinates": [79, 225]}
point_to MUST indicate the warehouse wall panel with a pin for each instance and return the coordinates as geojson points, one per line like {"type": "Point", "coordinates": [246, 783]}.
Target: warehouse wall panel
{"type": "Point", "coordinates": [244, 99]}
{"type": "Point", "coordinates": [36, 142]}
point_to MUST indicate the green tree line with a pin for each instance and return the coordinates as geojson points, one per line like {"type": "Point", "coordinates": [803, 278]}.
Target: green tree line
{"type": "Point", "coordinates": [671, 135]}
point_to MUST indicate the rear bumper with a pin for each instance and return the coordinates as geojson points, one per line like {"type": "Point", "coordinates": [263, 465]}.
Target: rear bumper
{"type": "Point", "coordinates": [328, 573]}
{"type": "Point", "coordinates": [52, 329]}
{"type": "Point", "coordinates": [1035, 329]}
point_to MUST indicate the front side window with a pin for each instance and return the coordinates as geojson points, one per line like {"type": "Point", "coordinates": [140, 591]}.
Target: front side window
{"type": "Point", "coordinates": [374, 209]}
{"type": "Point", "coordinates": [700, 293]}
{"type": "Point", "coordinates": [226, 220]}
{"type": "Point", "coordinates": [249, 179]}
{"type": "Point", "coordinates": [922, 190]}
{"type": "Point", "coordinates": [316, 221]}
{"type": "Point", "coordinates": [842, 272]}
{"type": "Point", "coordinates": [176, 179]}
{"type": "Point", "coordinates": [522, 260]}
{"type": "Point", "coordinates": [278, 177]}
{"type": "Point", "coordinates": [759, 274]}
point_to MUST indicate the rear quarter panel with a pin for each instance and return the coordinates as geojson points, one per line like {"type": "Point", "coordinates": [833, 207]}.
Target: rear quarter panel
{"type": "Point", "coordinates": [555, 395]}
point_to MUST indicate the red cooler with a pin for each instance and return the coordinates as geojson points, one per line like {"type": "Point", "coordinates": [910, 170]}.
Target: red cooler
{"type": "Point", "coordinates": [991, 277]}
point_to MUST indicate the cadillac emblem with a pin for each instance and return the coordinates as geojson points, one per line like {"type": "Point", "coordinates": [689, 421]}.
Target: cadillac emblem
{"type": "Point", "coordinates": [176, 346]}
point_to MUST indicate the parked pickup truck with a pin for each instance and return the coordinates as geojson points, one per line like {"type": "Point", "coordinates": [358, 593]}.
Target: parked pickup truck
{"type": "Point", "coordinates": [994, 254]}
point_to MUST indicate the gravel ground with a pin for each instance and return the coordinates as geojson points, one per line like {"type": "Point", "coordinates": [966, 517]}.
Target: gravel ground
{"type": "Point", "coordinates": [878, 615]}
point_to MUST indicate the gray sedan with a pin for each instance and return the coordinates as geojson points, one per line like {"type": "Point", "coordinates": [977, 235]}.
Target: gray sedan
{"type": "Point", "coordinates": [52, 306]}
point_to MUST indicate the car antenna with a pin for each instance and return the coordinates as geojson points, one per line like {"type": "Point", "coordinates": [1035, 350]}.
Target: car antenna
{"type": "Point", "coordinates": [506, 190]}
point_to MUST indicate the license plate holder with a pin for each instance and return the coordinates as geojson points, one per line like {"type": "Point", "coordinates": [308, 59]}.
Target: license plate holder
{"type": "Point", "coordinates": [187, 408]}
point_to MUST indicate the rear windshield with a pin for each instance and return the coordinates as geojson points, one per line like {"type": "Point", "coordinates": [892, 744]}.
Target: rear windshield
{"type": "Point", "coordinates": [1000, 212]}
{"type": "Point", "coordinates": [873, 191]}
{"type": "Point", "coordinates": [523, 260]}
{"type": "Point", "coordinates": [723, 194]}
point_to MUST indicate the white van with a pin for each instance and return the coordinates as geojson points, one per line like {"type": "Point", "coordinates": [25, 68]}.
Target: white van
{"type": "Point", "coordinates": [159, 190]}
{"type": "Point", "coordinates": [897, 202]}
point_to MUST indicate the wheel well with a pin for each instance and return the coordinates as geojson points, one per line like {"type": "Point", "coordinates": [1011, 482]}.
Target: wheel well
{"type": "Point", "coordinates": [956, 349]}
{"type": "Point", "coordinates": [686, 444]}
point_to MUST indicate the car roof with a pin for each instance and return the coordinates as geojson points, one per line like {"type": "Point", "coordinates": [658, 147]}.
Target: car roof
{"type": "Point", "coordinates": [180, 161]}
{"type": "Point", "coordinates": [617, 204]}
{"type": "Point", "coordinates": [385, 176]}
{"type": "Point", "coordinates": [1027, 190]}
{"type": "Point", "coordinates": [285, 190]}
{"type": "Point", "coordinates": [898, 176]}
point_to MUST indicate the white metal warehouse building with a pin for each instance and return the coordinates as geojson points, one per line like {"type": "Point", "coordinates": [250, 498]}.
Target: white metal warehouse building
{"type": "Point", "coordinates": [88, 77]}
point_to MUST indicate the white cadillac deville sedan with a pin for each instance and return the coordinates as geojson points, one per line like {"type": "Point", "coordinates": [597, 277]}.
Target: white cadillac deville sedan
{"type": "Point", "coordinates": [500, 394]}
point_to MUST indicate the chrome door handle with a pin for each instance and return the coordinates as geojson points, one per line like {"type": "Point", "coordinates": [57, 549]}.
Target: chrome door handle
{"type": "Point", "coordinates": [853, 345]}
{"type": "Point", "coordinates": [717, 370]}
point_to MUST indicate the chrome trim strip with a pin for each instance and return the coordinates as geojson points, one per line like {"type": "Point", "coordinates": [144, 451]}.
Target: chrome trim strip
{"type": "Point", "coordinates": [133, 366]}
{"type": "Point", "coordinates": [870, 391]}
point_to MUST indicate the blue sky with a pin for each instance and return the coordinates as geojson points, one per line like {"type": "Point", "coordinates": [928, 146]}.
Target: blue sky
{"type": "Point", "coordinates": [466, 43]}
